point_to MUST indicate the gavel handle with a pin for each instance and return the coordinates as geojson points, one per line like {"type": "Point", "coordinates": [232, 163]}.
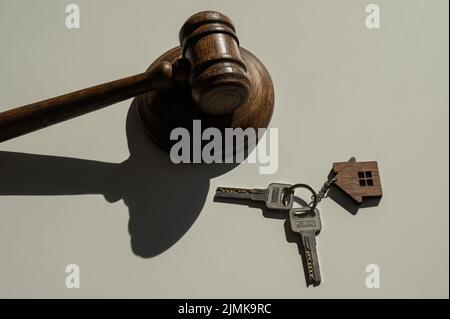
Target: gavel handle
{"type": "Point", "coordinates": [32, 117]}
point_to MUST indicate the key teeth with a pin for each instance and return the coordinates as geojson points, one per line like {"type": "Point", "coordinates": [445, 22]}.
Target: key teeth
{"type": "Point", "coordinates": [231, 190]}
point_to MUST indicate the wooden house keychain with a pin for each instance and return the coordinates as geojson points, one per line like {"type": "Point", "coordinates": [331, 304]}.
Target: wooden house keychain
{"type": "Point", "coordinates": [351, 184]}
{"type": "Point", "coordinates": [358, 181]}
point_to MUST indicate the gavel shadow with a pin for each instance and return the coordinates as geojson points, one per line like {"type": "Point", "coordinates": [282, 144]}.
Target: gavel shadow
{"type": "Point", "coordinates": [291, 237]}
{"type": "Point", "coordinates": [164, 199]}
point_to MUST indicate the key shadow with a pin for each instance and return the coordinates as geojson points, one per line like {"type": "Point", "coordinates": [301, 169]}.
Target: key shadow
{"type": "Point", "coordinates": [146, 182]}
{"type": "Point", "coordinates": [291, 237]}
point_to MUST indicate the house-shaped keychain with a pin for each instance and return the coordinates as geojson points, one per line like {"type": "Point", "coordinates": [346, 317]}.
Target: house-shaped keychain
{"type": "Point", "coordinates": [359, 180]}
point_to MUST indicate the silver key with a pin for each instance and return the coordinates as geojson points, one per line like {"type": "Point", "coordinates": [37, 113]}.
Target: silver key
{"type": "Point", "coordinates": [273, 195]}
{"type": "Point", "coordinates": [308, 225]}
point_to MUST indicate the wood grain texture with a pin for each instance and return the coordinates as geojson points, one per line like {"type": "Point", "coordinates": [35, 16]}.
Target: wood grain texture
{"type": "Point", "coordinates": [218, 77]}
{"type": "Point", "coordinates": [360, 180]}
{"type": "Point", "coordinates": [160, 112]}
{"type": "Point", "coordinates": [209, 78]}
{"type": "Point", "coordinates": [35, 116]}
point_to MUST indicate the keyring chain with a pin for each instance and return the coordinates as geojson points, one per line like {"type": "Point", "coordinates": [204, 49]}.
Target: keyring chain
{"type": "Point", "coordinates": [316, 197]}
{"type": "Point", "coordinates": [325, 188]}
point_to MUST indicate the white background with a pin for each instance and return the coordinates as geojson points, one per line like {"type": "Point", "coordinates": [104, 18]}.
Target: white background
{"type": "Point", "coordinates": [341, 90]}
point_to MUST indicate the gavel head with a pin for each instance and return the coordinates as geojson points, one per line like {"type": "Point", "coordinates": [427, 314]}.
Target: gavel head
{"type": "Point", "coordinates": [228, 87]}
{"type": "Point", "coordinates": [218, 75]}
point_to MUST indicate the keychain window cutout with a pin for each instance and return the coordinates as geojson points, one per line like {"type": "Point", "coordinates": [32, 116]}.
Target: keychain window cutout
{"type": "Point", "coordinates": [365, 178]}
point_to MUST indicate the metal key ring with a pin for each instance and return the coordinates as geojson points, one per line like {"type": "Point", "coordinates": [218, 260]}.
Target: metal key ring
{"type": "Point", "coordinates": [290, 190]}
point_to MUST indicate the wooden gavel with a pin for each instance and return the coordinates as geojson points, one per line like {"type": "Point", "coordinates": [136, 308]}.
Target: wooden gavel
{"type": "Point", "coordinates": [209, 77]}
